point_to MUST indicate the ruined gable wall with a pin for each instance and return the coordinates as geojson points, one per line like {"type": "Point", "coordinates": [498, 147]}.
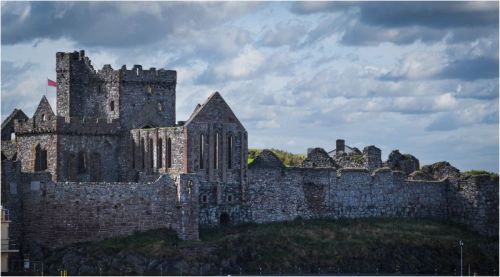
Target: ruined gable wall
{"type": "Point", "coordinates": [57, 214]}
{"type": "Point", "coordinates": [147, 97]}
{"type": "Point", "coordinates": [223, 186]}
{"type": "Point", "coordinates": [276, 195]}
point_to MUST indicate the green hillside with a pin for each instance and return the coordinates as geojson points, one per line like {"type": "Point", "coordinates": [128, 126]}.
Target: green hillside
{"type": "Point", "coordinates": [288, 159]}
{"type": "Point", "coordinates": [364, 246]}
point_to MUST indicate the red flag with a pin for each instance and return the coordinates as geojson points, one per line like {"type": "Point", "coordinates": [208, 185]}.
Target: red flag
{"type": "Point", "coordinates": [51, 83]}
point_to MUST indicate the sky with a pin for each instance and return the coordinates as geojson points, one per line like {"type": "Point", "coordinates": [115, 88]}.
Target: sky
{"type": "Point", "coordinates": [421, 77]}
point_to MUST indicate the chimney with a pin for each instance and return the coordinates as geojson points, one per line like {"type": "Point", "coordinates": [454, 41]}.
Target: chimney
{"type": "Point", "coordinates": [340, 146]}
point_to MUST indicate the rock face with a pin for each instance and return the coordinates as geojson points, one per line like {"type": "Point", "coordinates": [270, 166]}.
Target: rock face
{"type": "Point", "coordinates": [318, 157]}
{"type": "Point", "coordinates": [267, 159]}
{"type": "Point", "coordinates": [403, 162]}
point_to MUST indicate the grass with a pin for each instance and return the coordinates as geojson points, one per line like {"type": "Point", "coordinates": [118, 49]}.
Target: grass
{"type": "Point", "coordinates": [288, 159]}
{"type": "Point", "coordinates": [492, 175]}
{"type": "Point", "coordinates": [407, 246]}
{"type": "Point", "coordinates": [160, 242]}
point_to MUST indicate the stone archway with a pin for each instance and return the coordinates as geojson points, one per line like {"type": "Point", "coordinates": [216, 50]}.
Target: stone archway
{"type": "Point", "coordinates": [224, 219]}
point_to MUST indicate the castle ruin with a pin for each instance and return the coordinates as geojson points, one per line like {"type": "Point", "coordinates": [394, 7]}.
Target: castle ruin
{"type": "Point", "coordinates": [113, 160]}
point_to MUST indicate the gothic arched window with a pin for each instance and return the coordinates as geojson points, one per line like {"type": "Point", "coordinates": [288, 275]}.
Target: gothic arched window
{"type": "Point", "coordinates": [202, 151]}
{"type": "Point", "coordinates": [159, 153]}
{"type": "Point", "coordinates": [169, 153]}
{"type": "Point", "coordinates": [40, 158]}
{"type": "Point", "coordinates": [229, 151]}
{"type": "Point", "coordinates": [82, 163]}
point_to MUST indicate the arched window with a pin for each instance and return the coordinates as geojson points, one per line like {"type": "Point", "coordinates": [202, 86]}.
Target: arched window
{"type": "Point", "coordinates": [151, 157]}
{"type": "Point", "coordinates": [216, 151]}
{"type": "Point", "coordinates": [202, 151]}
{"type": "Point", "coordinates": [143, 158]}
{"type": "Point", "coordinates": [40, 158]}
{"type": "Point", "coordinates": [229, 151]}
{"type": "Point", "coordinates": [133, 154]}
{"type": "Point", "coordinates": [169, 153]}
{"type": "Point", "coordinates": [159, 153]}
{"type": "Point", "coordinates": [82, 163]}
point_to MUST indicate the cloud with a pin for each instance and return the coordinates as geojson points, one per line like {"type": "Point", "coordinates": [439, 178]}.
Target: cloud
{"type": "Point", "coordinates": [97, 23]}
{"type": "Point", "coordinates": [309, 7]}
{"type": "Point", "coordinates": [416, 66]}
{"type": "Point", "coordinates": [402, 23]}
{"type": "Point", "coordinates": [284, 34]}
{"type": "Point", "coordinates": [470, 69]}
{"type": "Point", "coordinates": [428, 65]}
{"type": "Point", "coordinates": [246, 64]}
{"type": "Point", "coordinates": [486, 89]}
{"type": "Point", "coordinates": [481, 113]}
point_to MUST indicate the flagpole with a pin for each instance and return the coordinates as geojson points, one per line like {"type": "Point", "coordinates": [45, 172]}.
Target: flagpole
{"type": "Point", "coordinates": [46, 85]}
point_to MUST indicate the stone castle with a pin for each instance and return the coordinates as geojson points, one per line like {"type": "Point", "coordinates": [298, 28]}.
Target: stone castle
{"type": "Point", "coordinates": [113, 160]}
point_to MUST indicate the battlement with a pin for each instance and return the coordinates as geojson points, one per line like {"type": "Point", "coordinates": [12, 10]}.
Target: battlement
{"type": "Point", "coordinates": [136, 74]}
{"type": "Point", "coordinates": [65, 58]}
{"type": "Point", "coordinates": [69, 125]}
{"type": "Point", "coordinates": [152, 75]}
{"type": "Point", "coordinates": [30, 126]}
{"type": "Point", "coordinates": [88, 126]}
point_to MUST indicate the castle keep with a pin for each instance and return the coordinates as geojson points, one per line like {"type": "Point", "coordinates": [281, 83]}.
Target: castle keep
{"type": "Point", "coordinates": [113, 160]}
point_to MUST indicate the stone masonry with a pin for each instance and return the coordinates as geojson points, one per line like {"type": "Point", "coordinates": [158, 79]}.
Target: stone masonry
{"type": "Point", "coordinates": [112, 160]}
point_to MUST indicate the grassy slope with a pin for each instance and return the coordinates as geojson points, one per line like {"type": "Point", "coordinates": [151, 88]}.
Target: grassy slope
{"type": "Point", "coordinates": [288, 159]}
{"type": "Point", "coordinates": [346, 246]}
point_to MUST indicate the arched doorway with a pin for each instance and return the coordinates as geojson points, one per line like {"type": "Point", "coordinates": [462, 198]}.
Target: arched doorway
{"type": "Point", "coordinates": [224, 219]}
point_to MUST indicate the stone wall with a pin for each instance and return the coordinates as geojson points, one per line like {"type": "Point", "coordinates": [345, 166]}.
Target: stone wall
{"type": "Point", "coordinates": [473, 201]}
{"type": "Point", "coordinates": [100, 153]}
{"type": "Point", "coordinates": [136, 97]}
{"type": "Point", "coordinates": [284, 194]}
{"type": "Point", "coordinates": [151, 157]}
{"type": "Point", "coordinates": [56, 214]}
{"type": "Point", "coordinates": [147, 97]}
{"type": "Point", "coordinates": [27, 143]}
{"type": "Point", "coordinates": [11, 198]}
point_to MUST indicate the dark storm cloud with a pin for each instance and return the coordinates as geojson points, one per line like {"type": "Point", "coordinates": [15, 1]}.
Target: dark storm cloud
{"type": "Point", "coordinates": [109, 23]}
{"type": "Point", "coordinates": [462, 69]}
{"type": "Point", "coordinates": [430, 14]}
{"type": "Point", "coordinates": [471, 69]}
{"type": "Point", "coordinates": [400, 14]}
{"type": "Point", "coordinates": [402, 23]}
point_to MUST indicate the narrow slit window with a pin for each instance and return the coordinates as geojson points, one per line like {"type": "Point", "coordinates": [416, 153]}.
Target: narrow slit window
{"type": "Point", "coordinates": [82, 163]}
{"type": "Point", "coordinates": [169, 153]}
{"type": "Point", "coordinates": [142, 153]}
{"type": "Point", "coordinates": [202, 150]}
{"type": "Point", "coordinates": [159, 153]}
{"type": "Point", "coordinates": [133, 154]}
{"type": "Point", "coordinates": [112, 105]}
{"type": "Point", "coordinates": [151, 154]}
{"type": "Point", "coordinates": [216, 151]}
{"type": "Point", "coordinates": [230, 152]}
